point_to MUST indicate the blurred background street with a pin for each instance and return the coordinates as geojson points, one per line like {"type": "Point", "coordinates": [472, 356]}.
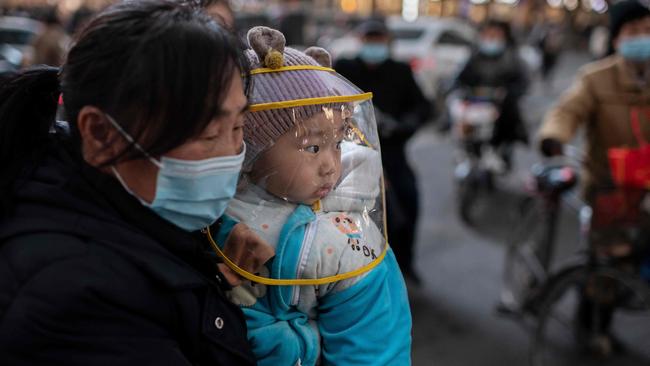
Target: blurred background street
{"type": "Point", "coordinates": [459, 263]}
{"type": "Point", "coordinates": [455, 321]}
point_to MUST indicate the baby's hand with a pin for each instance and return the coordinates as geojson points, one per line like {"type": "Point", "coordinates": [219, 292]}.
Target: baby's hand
{"type": "Point", "coordinates": [247, 250]}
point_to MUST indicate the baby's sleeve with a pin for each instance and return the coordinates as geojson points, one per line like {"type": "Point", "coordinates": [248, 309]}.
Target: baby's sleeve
{"type": "Point", "coordinates": [368, 323]}
{"type": "Point", "coordinates": [276, 341]}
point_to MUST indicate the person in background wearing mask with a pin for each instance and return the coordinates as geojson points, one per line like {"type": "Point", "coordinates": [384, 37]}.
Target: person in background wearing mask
{"type": "Point", "coordinates": [603, 93]}
{"type": "Point", "coordinates": [603, 99]}
{"type": "Point", "coordinates": [496, 65]}
{"type": "Point", "coordinates": [101, 261]}
{"type": "Point", "coordinates": [401, 108]}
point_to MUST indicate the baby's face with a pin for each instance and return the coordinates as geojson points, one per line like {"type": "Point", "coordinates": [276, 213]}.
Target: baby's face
{"type": "Point", "coordinates": [304, 164]}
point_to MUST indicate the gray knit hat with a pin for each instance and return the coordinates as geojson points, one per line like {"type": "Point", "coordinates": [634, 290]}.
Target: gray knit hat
{"type": "Point", "coordinates": [285, 75]}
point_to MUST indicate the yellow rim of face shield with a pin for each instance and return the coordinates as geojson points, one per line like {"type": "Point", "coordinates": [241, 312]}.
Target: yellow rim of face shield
{"type": "Point", "coordinates": [293, 282]}
{"type": "Point", "coordinates": [309, 101]}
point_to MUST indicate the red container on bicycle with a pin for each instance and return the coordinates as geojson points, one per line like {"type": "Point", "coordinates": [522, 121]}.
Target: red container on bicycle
{"type": "Point", "coordinates": [630, 167]}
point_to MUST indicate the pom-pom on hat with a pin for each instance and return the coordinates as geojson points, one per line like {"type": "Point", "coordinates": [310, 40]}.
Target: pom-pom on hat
{"type": "Point", "coordinates": [288, 86]}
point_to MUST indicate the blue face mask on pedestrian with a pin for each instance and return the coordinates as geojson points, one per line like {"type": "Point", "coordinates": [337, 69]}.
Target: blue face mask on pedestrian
{"type": "Point", "coordinates": [374, 53]}
{"type": "Point", "coordinates": [191, 194]}
{"type": "Point", "coordinates": [635, 49]}
{"type": "Point", "coordinates": [491, 48]}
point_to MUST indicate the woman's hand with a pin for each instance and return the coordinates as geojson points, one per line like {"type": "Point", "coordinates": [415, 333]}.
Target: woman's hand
{"type": "Point", "coordinates": [247, 250]}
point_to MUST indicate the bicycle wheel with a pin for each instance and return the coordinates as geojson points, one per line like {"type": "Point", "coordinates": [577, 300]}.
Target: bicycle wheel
{"type": "Point", "coordinates": [523, 269]}
{"type": "Point", "coordinates": [613, 330]}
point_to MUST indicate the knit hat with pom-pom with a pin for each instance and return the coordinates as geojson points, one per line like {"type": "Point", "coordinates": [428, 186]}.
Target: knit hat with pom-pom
{"type": "Point", "coordinates": [280, 79]}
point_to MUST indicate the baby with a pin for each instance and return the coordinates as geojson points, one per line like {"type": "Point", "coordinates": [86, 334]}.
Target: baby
{"type": "Point", "coordinates": [310, 185]}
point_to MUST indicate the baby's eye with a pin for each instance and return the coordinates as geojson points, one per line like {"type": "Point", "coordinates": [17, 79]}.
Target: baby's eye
{"type": "Point", "coordinates": [312, 149]}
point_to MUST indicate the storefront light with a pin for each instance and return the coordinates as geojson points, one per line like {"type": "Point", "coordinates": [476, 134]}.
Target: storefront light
{"type": "Point", "coordinates": [410, 10]}
{"type": "Point", "coordinates": [349, 6]}
{"type": "Point", "coordinates": [571, 5]}
{"type": "Point", "coordinates": [479, 2]}
{"type": "Point", "coordinates": [71, 5]}
{"type": "Point", "coordinates": [599, 6]}
{"type": "Point", "coordinates": [508, 2]}
{"type": "Point", "coordinates": [554, 3]}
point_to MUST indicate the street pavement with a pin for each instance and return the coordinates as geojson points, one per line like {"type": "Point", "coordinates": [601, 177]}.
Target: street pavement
{"type": "Point", "coordinates": [455, 322]}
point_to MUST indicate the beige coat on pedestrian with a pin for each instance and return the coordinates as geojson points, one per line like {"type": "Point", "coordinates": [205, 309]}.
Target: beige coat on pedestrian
{"type": "Point", "coordinates": [600, 100]}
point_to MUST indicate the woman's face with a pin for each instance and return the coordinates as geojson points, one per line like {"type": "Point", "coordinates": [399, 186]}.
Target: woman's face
{"type": "Point", "coordinates": [222, 137]}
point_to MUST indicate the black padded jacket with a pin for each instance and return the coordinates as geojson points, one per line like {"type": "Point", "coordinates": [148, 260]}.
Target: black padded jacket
{"type": "Point", "coordinates": [89, 276]}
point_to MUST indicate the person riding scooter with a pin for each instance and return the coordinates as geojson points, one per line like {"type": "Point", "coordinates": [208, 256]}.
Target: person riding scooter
{"type": "Point", "coordinates": [496, 65]}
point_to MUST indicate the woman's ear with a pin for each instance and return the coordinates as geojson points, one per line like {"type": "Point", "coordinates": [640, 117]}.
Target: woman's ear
{"type": "Point", "coordinates": [100, 141]}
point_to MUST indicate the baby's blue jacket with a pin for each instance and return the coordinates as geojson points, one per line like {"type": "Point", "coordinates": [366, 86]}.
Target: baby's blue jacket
{"type": "Point", "coordinates": [368, 323]}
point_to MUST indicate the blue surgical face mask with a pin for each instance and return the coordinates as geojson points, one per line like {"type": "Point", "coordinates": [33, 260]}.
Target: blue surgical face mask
{"type": "Point", "coordinates": [635, 49]}
{"type": "Point", "coordinates": [191, 194]}
{"type": "Point", "coordinates": [374, 53]}
{"type": "Point", "coordinates": [491, 48]}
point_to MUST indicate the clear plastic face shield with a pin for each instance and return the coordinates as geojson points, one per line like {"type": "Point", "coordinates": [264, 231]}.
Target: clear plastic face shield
{"type": "Point", "coordinates": [321, 153]}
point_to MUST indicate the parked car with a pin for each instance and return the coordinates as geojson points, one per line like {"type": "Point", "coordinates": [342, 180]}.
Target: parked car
{"type": "Point", "coordinates": [16, 35]}
{"type": "Point", "coordinates": [436, 48]}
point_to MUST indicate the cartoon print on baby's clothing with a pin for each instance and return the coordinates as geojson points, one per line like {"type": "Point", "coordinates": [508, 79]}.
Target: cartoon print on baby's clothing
{"type": "Point", "coordinates": [347, 226]}
{"type": "Point", "coordinates": [248, 292]}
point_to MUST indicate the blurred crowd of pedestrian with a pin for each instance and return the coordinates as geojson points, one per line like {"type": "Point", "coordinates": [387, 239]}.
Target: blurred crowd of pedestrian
{"type": "Point", "coordinates": [49, 36]}
{"type": "Point", "coordinates": [72, 191]}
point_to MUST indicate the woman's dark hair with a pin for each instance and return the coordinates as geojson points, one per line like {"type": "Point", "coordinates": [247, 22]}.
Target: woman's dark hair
{"type": "Point", "coordinates": [161, 69]}
{"type": "Point", "coordinates": [207, 3]}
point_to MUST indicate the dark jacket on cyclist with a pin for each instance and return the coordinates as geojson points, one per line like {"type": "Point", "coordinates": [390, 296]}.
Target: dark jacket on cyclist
{"type": "Point", "coordinates": [395, 93]}
{"type": "Point", "coordinates": [505, 71]}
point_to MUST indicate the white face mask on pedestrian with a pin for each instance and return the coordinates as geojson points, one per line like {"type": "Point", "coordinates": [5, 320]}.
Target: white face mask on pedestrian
{"type": "Point", "coordinates": [191, 194]}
